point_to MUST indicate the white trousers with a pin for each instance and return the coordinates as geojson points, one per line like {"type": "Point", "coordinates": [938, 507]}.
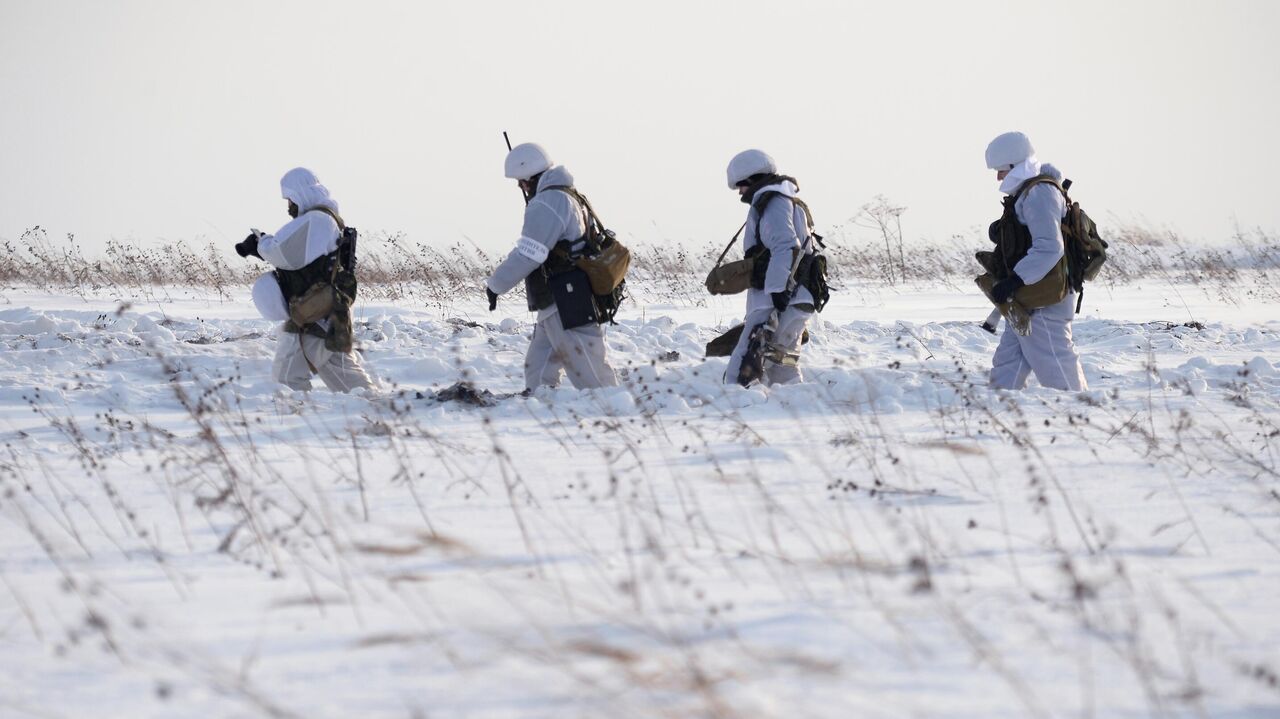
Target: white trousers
{"type": "Point", "coordinates": [581, 352]}
{"type": "Point", "coordinates": [790, 329]}
{"type": "Point", "coordinates": [340, 371]}
{"type": "Point", "coordinates": [1048, 351]}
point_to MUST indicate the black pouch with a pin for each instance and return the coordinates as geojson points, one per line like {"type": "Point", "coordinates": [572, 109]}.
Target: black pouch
{"type": "Point", "coordinates": [574, 300]}
{"type": "Point", "coordinates": [812, 273]}
{"type": "Point", "coordinates": [760, 269]}
{"type": "Point", "coordinates": [607, 305]}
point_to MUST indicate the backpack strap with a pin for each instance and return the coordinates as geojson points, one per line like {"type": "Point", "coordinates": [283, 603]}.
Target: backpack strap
{"type": "Point", "coordinates": [759, 206]}
{"type": "Point", "coordinates": [573, 192]}
{"type": "Point", "coordinates": [593, 220]}
{"type": "Point", "coordinates": [1062, 188]}
{"type": "Point", "coordinates": [729, 246]}
{"type": "Point", "coordinates": [582, 200]}
{"type": "Point", "coordinates": [763, 202]}
{"type": "Point", "coordinates": [346, 251]}
{"type": "Point", "coordinates": [1040, 180]}
{"type": "Point", "coordinates": [342, 226]}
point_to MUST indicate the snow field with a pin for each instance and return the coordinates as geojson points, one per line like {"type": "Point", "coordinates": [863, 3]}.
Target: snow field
{"type": "Point", "coordinates": [179, 536]}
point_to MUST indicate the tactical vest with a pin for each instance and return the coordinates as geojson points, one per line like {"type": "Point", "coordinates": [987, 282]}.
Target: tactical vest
{"type": "Point", "coordinates": [559, 260]}
{"type": "Point", "coordinates": [1013, 239]}
{"type": "Point", "coordinates": [327, 286]}
{"type": "Point", "coordinates": [1013, 242]}
{"type": "Point", "coordinates": [810, 272]}
{"type": "Point", "coordinates": [293, 283]}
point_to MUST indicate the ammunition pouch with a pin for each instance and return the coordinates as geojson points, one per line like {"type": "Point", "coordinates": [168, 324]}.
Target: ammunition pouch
{"type": "Point", "coordinates": [1084, 251]}
{"type": "Point", "coordinates": [730, 278]}
{"type": "Point", "coordinates": [578, 304]}
{"type": "Point", "coordinates": [585, 288]}
{"type": "Point", "coordinates": [750, 272]}
{"type": "Point", "coordinates": [313, 305]}
{"type": "Point", "coordinates": [1049, 290]}
{"type": "Point", "coordinates": [812, 275]}
{"type": "Point", "coordinates": [606, 264]}
{"type": "Point", "coordinates": [760, 257]}
{"type": "Point", "coordinates": [607, 304]}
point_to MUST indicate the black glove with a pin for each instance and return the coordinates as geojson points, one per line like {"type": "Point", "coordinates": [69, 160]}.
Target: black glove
{"type": "Point", "coordinates": [249, 246]}
{"type": "Point", "coordinates": [1004, 289]}
{"type": "Point", "coordinates": [780, 301]}
{"type": "Point", "coordinates": [493, 299]}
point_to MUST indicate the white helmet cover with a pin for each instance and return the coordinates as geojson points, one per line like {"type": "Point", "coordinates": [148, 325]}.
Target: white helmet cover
{"type": "Point", "coordinates": [1008, 150]}
{"type": "Point", "coordinates": [526, 160]}
{"type": "Point", "coordinates": [301, 187]}
{"type": "Point", "coordinates": [748, 163]}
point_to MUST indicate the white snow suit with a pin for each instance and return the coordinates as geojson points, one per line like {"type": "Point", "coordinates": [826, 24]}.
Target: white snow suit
{"type": "Point", "coordinates": [1048, 351]}
{"type": "Point", "coordinates": [306, 238]}
{"type": "Point", "coordinates": [784, 227]}
{"type": "Point", "coordinates": [551, 217]}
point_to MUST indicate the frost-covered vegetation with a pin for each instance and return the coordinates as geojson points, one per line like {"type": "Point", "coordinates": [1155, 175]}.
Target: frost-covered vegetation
{"type": "Point", "coordinates": [179, 536]}
{"type": "Point", "coordinates": [865, 251]}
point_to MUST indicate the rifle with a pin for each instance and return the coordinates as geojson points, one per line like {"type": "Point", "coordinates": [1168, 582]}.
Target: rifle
{"type": "Point", "coordinates": [523, 194]}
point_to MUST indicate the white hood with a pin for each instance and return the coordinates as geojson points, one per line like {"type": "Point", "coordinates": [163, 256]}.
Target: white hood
{"type": "Point", "coordinates": [1020, 173]}
{"type": "Point", "coordinates": [308, 236]}
{"type": "Point", "coordinates": [303, 188]}
{"type": "Point", "coordinates": [555, 176]}
{"type": "Point", "coordinates": [1041, 169]}
{"type": "Point", "coordinates": [786, 188]}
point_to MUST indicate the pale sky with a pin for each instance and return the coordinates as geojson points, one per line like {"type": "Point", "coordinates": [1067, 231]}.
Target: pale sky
{"type": "Point", "coordinates": [162, 120]}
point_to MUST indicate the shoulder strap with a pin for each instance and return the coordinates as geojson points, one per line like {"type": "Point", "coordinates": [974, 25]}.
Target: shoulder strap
{"type": "Point", "coordinates": [594, 230]}
{"type": "Point", "coordinates": [730, 245]}
{"type": "Point", "coordinates": [561, 250]}
{"type": "Point", "coordinates": [763, 201]}
{"type": "Point", "coordinates": [342, 226]}
{"type": "Point", "coordinates": [582, 200]}
{"type": "Point", "coordinates": [808, 215]}
{"type": "Point", "coordinates": [760, 204]}
{"type": "Point", "coordinates": [1039, 180]}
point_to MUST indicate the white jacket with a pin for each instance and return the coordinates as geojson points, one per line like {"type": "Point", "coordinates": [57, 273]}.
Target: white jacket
{"type": "Point", "coordinates": [1041, 209]}
{"type": "Point", "coordinates": [303, 240]}
{"type": "Point", "coordinates": [310, 235]}
{"type": "Point", "coordinates": [783, 228]}
{"type": "Point", "coordinates": [550, 217]}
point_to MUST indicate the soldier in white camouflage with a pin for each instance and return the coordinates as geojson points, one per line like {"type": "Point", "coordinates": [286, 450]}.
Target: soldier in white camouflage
{"type": "Point", "coordinates": [551, 218]}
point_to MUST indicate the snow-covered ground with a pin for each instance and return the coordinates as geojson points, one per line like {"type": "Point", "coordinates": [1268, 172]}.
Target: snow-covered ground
{"type": "Point", "coordinates": [180, 537]}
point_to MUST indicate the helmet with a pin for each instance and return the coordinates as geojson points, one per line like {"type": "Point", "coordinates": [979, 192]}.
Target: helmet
{"type": "Point", "coordinates": [526, 160]}
{"type": "Point", "coordinates": [748, 163]}
{"type": "Point", "coordinates": [1008, 150]}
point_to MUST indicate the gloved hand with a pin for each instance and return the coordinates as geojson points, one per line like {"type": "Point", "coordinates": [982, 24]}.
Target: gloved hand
{"type": "Point", "coordinates": [1004, 289]}
{"type": "Point", "coordinates": [249, 246]}
{"type": "Point", "coordinates": [780, 301]}
{"type": "Point", "coordinates": [493, 299]}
